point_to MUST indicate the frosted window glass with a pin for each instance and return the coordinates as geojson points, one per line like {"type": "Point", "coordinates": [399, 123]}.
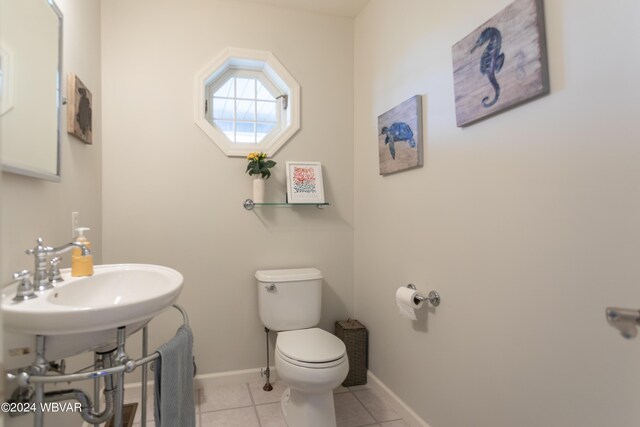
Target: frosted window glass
{"type": "Point", "coordinates": [245, 88]}
{"type": "Point", "coordinates": [228, 127]}
{"type": "Point", "coordinates": [266, 111]}
{"type": "Point", "coordinates": [245, 110]}
{"type": "Point", "coordinates": [246, 132]}
{"type": "Point", "coordinates": [226, 91]}
{"type": "Point", "coordinates": [263, 93]}
{"type": "Point", "coordinates": [263, 129]}
{"type": "Point", "coordinates": [223, 108]}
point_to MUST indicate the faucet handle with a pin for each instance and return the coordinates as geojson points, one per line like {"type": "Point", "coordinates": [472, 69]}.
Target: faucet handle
{"type": "Point", "coordinates": [16, 277]}
{"type": "Point", "coordinates": [25, 288]}
{"type": "Point", "coordinates": [19, 275]}
{"type": "Point", "coordinates": [39, 248]}
{"type": "Point", "coordinates": [54, 271]}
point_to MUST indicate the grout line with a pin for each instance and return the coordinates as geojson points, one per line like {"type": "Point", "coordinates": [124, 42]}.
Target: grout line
{"type": "Point", "coordinates": [382, 401]}
{"type": "Point", "coordinates": [253, 401]}
{"type": "Point", "coordinates": [365, 408]}
{"type": "Point", "coordinates": [233, 407]}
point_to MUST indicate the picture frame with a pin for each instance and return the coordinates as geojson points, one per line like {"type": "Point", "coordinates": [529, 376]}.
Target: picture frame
{"type": "Point", "coordinates": [400, 137]}
{"type": "Point", "coordinates": [501, 64]}
{"type": "Point", "coordinates": [304, 182]}
{"type": "Point", "coordinates": [79, 109]}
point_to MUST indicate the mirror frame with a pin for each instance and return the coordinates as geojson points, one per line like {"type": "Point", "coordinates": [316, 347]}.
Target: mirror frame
{"type": "Point", "coordinates": [37, 173]}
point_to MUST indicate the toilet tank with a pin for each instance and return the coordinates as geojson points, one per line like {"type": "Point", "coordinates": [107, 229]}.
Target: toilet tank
{"type": "Point", "coordinates": [289, 299]}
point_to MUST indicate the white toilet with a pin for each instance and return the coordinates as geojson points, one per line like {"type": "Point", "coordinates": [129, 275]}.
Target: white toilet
{"type": "Point", "coordinates": [311, 361]}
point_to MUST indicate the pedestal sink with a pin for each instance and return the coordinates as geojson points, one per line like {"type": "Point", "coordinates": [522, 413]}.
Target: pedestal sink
{"type": "Point", "coordinates": [83, 313]}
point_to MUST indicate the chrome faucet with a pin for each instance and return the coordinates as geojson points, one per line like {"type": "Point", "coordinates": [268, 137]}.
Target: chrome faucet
{"type": "Point", "coordinates": [40, 252]}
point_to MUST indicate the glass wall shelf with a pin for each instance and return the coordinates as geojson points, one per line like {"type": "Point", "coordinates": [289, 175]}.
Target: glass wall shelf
{"type": "Point", "coordinates": [250, 204]}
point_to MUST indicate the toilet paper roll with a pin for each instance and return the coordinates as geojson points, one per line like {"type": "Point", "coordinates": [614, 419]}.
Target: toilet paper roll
{"type": "Point", "coordinates": [405, 298]}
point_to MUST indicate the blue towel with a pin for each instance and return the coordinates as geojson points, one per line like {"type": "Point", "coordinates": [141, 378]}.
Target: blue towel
{"type": "Point", "coordinates": [174, 405]}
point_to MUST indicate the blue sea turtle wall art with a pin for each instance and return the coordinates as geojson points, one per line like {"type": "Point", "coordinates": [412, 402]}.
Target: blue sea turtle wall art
{"type": "Point", "coordinates": [399, 137]}
{"type": "Point", "coordinates": [398, 131]}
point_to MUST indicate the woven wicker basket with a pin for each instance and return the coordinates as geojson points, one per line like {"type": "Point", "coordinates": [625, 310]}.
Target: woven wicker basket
{"type": "Point", "coordinates": [354, 336]}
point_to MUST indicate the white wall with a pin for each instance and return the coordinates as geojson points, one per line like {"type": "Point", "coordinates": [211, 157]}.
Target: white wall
{"type": "Point", "coordinates": [34, 208]}
{"type": "Point", "coordinates": [528, 223]}
{"type": "Point", "coordinates": [172, 197]}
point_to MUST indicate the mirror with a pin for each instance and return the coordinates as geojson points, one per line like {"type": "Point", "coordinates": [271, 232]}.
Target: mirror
{"type": "Point", "coordinates": [30, 84]}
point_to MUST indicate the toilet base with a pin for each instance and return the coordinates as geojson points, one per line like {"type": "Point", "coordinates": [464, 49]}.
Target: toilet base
{"type": "Point", "coordinates": [308, 410]}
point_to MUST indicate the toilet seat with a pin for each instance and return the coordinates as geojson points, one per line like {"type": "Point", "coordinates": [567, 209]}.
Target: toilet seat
{"type": "Point", "coordinates": [310, 348]}
{"type": "Point", "coordinates": [312, 365]}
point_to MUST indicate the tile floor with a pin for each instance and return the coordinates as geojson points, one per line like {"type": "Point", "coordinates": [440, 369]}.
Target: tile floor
{"type": "Point", "coordinates": [247, 405]}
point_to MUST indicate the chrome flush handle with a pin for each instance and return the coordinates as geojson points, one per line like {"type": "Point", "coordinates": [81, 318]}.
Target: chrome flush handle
{"type": "Point", "coordinates": [271, 288]}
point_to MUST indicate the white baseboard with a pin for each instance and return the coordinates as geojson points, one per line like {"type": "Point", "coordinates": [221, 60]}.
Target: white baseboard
{"type": "Point", "coordinates": [407, 414]}
{"type": "Point", "coordinates": [233, 377]}
{"type": "Point", "coordinates": [218, 378]}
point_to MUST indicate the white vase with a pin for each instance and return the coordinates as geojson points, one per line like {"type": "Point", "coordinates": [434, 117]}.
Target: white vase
{"type": "Point", "coordinates": [258, 190]}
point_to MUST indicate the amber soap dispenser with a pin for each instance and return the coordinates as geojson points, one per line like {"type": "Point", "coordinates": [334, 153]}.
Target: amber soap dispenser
{"type": "Point", "coordinates": [81, 265]}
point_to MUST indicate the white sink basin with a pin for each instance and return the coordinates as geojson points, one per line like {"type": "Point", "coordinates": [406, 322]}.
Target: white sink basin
{"type": "Point", "coordinates": [83, 313]}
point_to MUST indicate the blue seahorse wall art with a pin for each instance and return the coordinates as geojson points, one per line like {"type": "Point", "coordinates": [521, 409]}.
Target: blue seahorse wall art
{"type": "Point", "coordinates": [502, 63]}
{"type": "Point", "coordinates": [491, 61]}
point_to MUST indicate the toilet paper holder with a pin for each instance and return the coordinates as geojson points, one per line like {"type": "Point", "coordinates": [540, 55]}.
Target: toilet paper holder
{"type": "Point", "coordinates": [433, 297]}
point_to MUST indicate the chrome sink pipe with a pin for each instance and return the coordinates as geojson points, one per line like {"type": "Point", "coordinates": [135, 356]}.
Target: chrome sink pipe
{"type": "Point", "coordinates": [40, 252]}
{"type": "Point", "coordinates": [85, 401]}
{"type": "Point", "coordinates": [39, 396]}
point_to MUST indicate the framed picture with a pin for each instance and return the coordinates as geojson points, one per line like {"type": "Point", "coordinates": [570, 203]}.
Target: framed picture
{"type": "Point", "coordinates": [501, 64]}
{"type": "Point", "coordinates": [304, 182]}
{"type": "Point", "coordinates": [400, 137]}
{"type": "Point", "coordinates": [79, 101]}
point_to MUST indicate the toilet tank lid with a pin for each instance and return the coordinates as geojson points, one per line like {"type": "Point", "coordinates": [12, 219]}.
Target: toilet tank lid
{"type": "Point", "coordinates": [288, 275]}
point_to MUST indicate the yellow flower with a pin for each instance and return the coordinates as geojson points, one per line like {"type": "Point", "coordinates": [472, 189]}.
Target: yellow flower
{"type": "Point", "coordinates": [256, 155]}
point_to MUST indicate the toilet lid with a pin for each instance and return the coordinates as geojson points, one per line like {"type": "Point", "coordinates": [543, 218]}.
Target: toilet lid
{"type": "Point", "coordinates": [310, 345]}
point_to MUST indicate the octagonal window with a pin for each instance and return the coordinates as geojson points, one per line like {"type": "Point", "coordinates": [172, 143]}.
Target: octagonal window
{"type": "Point", "coordinates": [247, 101]}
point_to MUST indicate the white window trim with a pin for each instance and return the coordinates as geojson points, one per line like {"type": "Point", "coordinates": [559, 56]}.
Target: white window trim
{"type": "Point", "coordinates": [261, 61]}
